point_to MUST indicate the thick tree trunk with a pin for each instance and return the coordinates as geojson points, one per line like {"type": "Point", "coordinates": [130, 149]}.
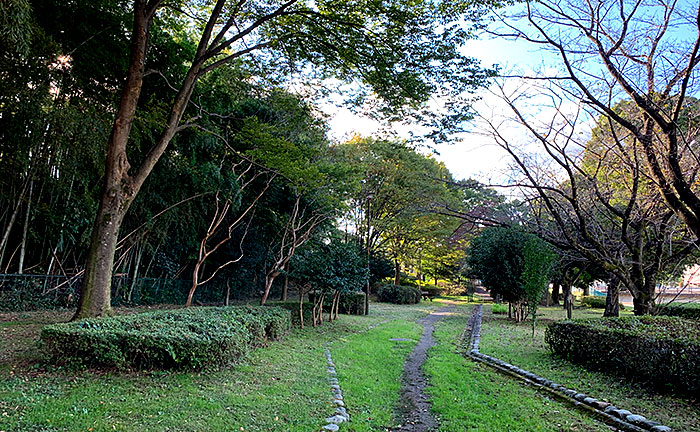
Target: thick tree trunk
{"type": "Point", "coordinates": [612, 299]}
{"type": "Point", "coordinates": [555, 292]}
{"type": "Point", "coordinates": [95, 291]}
{"type": "Point", "coordinates": [587, 290]}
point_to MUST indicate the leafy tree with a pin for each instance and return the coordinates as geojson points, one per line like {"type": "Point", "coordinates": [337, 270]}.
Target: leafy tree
{"type": "Point", "coordinates": [402, 61]}
{"type": "Point", "coordinates": [511, 264]}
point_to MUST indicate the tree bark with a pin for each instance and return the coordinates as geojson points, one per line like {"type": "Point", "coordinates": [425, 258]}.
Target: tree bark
{"type": "Point", "coordinates": [285, 288]}
{"type": "Point", "coordinates": [555, 292]}
{"type": "Point", "coordinates": [612, 299]}
{"type": "Point", "coordinates": [20, 269]}
{"type": "Point", "coordinates": [568, 299]}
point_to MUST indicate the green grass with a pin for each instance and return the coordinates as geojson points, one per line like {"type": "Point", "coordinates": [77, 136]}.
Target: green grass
{"type": "Point", "coordinates": [471, 396]}
{"type": "Point", "coordinates": [513, 343]}
{"type": "Point", "coordinates": [369, 371]}
{"type": "Point", "coordinates": [281, 387]}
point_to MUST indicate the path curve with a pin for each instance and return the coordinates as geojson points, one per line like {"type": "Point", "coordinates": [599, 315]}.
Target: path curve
{"type": "Point", "coordinates": [415, 407]}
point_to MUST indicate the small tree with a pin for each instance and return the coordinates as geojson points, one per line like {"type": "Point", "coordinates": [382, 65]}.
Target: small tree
{"type": "Point", "coordinates": [538, 259]}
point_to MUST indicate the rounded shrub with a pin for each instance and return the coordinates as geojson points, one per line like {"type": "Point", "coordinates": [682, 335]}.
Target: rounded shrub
{"type": "Point", "coordinates": [399, 294]}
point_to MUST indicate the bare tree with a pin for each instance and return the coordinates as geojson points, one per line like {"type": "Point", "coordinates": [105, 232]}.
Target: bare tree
{"type": "Point", "coordinates": [646, 51]}
{"type": "Point", "coordinates": [593, 195]}
{"type": "Point", "coordinates": [220, 215]}
{"type": "Point", "coordinates": [301, 224]}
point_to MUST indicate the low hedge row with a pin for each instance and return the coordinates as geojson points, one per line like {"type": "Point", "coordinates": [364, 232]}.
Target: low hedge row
{"type": "Point", "coordinates": [184, 338]}
{"type": "Point", "coordinates": [685, 310]}
{"type": "Point", "coordinates": [661, 351]}
{"type": "Point", "coordinates": [399, 294]}
{"type": "Point", "coordinates": [596, 302]}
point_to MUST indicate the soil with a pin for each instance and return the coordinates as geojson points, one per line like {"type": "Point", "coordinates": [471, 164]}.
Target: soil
{"type": "Point", "coordinates": [415, 407]}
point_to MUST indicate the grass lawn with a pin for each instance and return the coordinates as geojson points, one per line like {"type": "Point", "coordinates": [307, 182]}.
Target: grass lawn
{"type": "Point", "coordinates": [504, 339]}
{"type": "Point", "coordinates": [470, 396]}
{"type": "Point", "coordinates": [281, 387]}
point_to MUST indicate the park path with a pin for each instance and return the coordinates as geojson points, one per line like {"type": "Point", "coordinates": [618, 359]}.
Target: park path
{"type": "Point", "coordinates": [415, 407]}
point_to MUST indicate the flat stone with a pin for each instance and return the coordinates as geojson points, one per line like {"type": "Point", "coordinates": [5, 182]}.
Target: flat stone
{"type": "Point", "coordinates": [590, 400]}
{"type": "Point", "coordinates": [601, 405]}
{"type": "Point", "coordinates": [338, 402]}
{"type": "Point", "coordinates": [335, 386]}
{"type": "Point", "coordinates": [580, 397]}
{"type": "Point", "coordinates": [331, 427]}
{"type": "Point", "coordinates": [342, 412]}
{"type": "Point", "coordinates": [570, 393]}
{"type": "Point", "coordinates": [610, 408]}
{"type": "Point", "coordinates": [333, 380]}
{"type": "Point", "coordinates": [622, 413]}
{"type": "Point", "coordinates": [661, 428]}
{"type": "Point", "coordinates": [337, 419]}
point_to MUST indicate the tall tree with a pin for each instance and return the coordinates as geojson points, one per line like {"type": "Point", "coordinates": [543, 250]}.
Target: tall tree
{"type": "Point", "coordinates": [401, 50]}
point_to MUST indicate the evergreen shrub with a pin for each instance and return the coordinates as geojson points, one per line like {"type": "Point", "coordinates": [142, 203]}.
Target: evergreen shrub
{"type": "Point", "coordinates": [182, 339]}
{"type": "Point", "coordinates": [685, 310]}
{"type": "Point", "coordinates": [661, 351]}
{"type": "Point", "coordinates": [399, 294]}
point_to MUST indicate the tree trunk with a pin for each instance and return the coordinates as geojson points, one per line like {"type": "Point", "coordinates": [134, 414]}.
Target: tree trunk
{"type": "Point", "coordinates": [26, 226]}
{"type": "Point", "coordinates": [555, 292]}
{"type": "Point", "coordinates": [587, 290]}
{"type": "Point", "coordinates": [612, 299]}
{"type": "Point", "coordinates": [94, 299]}
{"type": "Point", "coordinates": [285, 288]}
{"type": "Point", "coordinates": [397, 272]}
{"type": "Point", "coordinates": [228, 292]}
{"type": "Point", "coordinates": [643, 303]}
{"type": "Point", "coordinates": [301, 305]}
{"type": "Point", "coordinates": [568, 299]}
{"type": "Point", "coordinates": [269, 279]}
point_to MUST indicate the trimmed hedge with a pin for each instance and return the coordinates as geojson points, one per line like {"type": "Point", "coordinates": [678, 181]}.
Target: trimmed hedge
{"type": "Point", "coordinates": [184, 338]}
{"type": "Point", "coordinates": [596, 302]}
{"type": "Point", "coordinates": [499, 309]}
{"type": "Point", "coordinates": [686, 310]}
{"type": "Point", "coordinates": [661, 351]}
{"type": "Point", "coordinates": [399, 294]}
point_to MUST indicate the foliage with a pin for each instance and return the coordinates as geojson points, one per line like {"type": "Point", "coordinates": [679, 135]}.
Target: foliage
{"type": "Point", "coordinates": [335, 265]}
{"type": "Point", "coordinates": [596, 302]}
{"type": "Point", "coordinates": [350, 303]}
{"type": "Point", "coordinates": [499, 309]}
{"type": "Point", "coordinates": [686, 310]}
{"type": "Point", "coordinates": [399, 294]}
{"type": "Point", "coordinates": [432, 290]}
{"type": "Point", "coordinates": [513, 343]}
{"type": "Point", "coordinates": [662, 351]}
{"type": "Point", "coordinates": [496, 256]}
{"type": "Point", "coordinates": [538, 258]}
{"type": "Point", "coordinates": [184, 339]}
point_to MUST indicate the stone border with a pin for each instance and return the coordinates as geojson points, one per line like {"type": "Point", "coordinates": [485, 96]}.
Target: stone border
{"type": "Point", "coordinates": [621, 418]}
{"type": "Point", "coordinates": [341, 415]}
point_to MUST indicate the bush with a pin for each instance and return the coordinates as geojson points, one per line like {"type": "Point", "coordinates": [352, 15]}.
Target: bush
{"type": "Point", "coordinates": [499, 309]}
{"type": "Point", "coordinates": [183, 338]}
{"type": "Point", "coordinates": [596, 302]}
{"type": "Point", "coordinates": [661, 351]}
{"type": "Point", "coordinates": [685, 310]}
{"type": "Point", "coordinates": [399, 294]}
{"type": "Point", "coordinates": [293, 306]}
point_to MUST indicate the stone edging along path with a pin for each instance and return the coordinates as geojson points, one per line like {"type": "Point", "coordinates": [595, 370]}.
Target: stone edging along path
{"type": "Point", "coordinates": [623, 419]}
{"type": "Point", "coordinates": [341, 414]}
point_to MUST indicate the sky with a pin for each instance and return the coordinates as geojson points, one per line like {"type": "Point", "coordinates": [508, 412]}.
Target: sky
{"type": "Point", "coordinates": [475, 156]}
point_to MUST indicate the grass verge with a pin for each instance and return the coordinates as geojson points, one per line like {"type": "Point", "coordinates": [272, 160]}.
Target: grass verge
{"type": "Point", "coordinates": [468, 396]}
{"type": "Point", "coordinates": [281, 387]}
{"type": "Point", "coordinates": [511, 342]}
